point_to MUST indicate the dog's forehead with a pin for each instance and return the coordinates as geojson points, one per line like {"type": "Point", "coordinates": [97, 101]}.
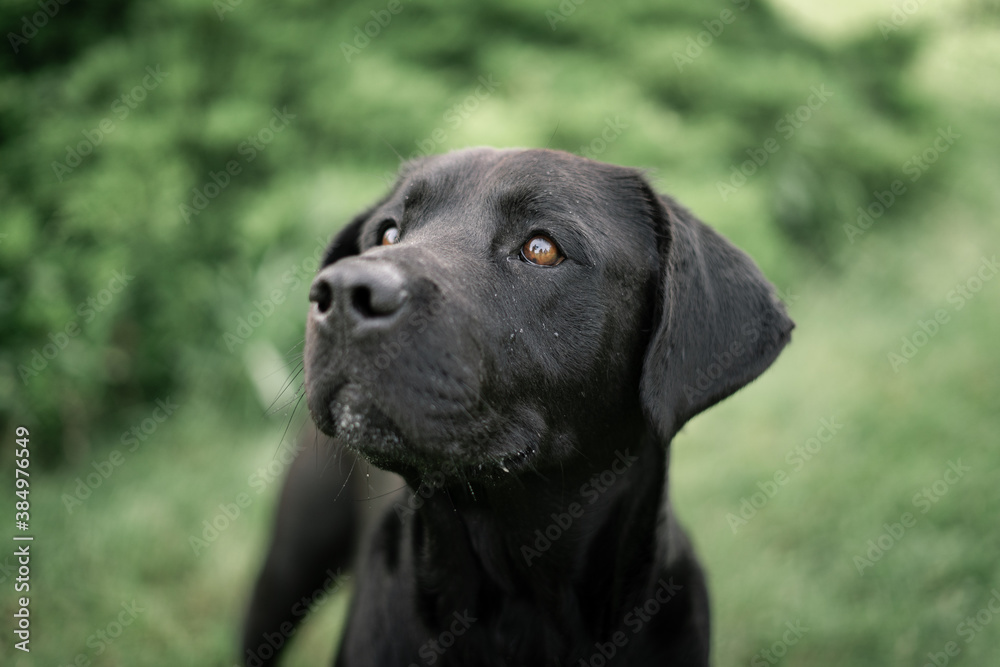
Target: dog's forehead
{"type": "Point", "coordinates": [478, 191]}
{"type": "Point", "coordinates": [484, 173]}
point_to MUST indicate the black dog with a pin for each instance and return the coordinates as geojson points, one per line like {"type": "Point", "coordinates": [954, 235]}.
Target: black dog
{"type": "Point", "coordinates": [518, 334]}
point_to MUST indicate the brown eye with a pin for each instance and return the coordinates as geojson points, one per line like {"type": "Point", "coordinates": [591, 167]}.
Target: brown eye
{"type": "Point", "coordinates": [390, 236]}
{"type": "Point", "coordinates": [541, 250]}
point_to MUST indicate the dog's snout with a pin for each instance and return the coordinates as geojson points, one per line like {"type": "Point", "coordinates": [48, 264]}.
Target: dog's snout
{"type": "Point", "coordinates": [366, 292]}
{"type": "Point", "coordinates": [321, 294]}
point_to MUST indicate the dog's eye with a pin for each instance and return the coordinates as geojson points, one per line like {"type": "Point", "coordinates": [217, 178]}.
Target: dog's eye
{"type": "Point", "coordinates": [390, 236]}
{"type": "Point", "coordinates": [541, 250]}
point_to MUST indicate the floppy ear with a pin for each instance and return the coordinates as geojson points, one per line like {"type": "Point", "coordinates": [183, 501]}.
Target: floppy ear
{"type": "Point", "coordinates": [347, 241]}
{"type": "Point", "coordinates": [720, 323]}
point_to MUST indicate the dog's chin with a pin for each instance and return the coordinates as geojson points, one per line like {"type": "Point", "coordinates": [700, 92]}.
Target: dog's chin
{"type": "Point", "coordinates": [347, 414]}
{"type": "Point", "coordinates": [427, 451]}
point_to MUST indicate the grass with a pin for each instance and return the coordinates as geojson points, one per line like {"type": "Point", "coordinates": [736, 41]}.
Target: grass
{"type": "Point", "coordinates": [794, 560]}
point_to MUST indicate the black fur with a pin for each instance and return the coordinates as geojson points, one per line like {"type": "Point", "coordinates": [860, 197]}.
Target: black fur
{"type": "Point", "coordinates": [529, 410]}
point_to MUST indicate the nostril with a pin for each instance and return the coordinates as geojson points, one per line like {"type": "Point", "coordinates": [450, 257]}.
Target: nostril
{"type": "Point", "coordinates": [322, 295]}
{"type": "Point", "coordinates": [377, 300]}
{"type": "Point", "coordinates": [361, 300]}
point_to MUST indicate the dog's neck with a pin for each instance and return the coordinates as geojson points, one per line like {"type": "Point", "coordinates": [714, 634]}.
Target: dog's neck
{"type": "Point", "coordinates": [587, 533]}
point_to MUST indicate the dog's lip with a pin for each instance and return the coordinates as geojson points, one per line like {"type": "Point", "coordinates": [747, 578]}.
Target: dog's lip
{"type": "Point", "coordinates": [510, 463]}
{"type": "Point", "coordinates": [345, 396]}
{"type": "Point", "coordinates": [346, 402]}
{"type": "Point", "coordinates": [326, 420]}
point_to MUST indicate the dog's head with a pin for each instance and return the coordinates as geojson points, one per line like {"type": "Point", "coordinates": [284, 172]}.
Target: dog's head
{"type": "Point", "coordinates": [503, 310]}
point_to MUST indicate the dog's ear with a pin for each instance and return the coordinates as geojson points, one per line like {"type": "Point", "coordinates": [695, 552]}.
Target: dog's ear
{"type": "Point", "coordinates": [347, 242]}
{"type": "Point", "coordinates": [720, 324]}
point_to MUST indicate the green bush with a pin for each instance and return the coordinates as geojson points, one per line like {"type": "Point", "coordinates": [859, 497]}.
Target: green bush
{"type": "Point", "coordinates": [137, 139]}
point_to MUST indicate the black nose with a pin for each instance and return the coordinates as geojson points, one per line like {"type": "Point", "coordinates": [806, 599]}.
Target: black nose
{"type": "Point", "coordinates": [370, 293]}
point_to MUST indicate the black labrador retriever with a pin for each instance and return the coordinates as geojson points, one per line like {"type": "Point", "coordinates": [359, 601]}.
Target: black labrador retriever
{"type": "Point", "coordinates": [518, 334]}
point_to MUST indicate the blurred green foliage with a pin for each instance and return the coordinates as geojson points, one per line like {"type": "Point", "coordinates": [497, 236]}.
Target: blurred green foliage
{"type": "Point", "coordinates": [119, 121]}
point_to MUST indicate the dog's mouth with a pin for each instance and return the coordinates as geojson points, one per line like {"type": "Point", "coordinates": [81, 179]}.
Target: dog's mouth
{"type": "Point", "coordinates": [351, 416]}
{"type": "Point", "coordinates": [427, 447]}
{"type": "Point", "coordinates": [517, 461]}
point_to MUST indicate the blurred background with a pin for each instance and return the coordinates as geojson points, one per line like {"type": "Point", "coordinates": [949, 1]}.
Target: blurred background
{"type": "Point", "coordinates": [170, 171]}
